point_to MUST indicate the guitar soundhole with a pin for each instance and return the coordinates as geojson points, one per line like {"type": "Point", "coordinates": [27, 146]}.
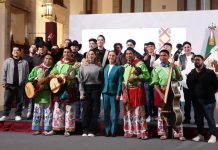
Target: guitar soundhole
{"type": "Point", "coordinates": [60, 80]}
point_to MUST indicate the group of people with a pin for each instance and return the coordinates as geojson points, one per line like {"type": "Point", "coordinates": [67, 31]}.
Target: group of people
{"type": "Point", "coordinates": [141, 80]}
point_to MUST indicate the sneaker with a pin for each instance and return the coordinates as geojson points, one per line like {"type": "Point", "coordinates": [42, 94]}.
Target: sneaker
{"type": "Point", "coordinates": [126, 135]}
{"type": "Point", "coordinates": [18, 118]}
{"type": "Point", "coordinates": [66, 133]}
{"type": "Point", "coordinates": [182, 138]}
{"type": "Point", "coordinates": [144, 137]}
{"type": "Point", "coordinates": [198, 138]}
{"type": "Point", "coordinates": [84, 134]}
{"type": "Point", "coordinates": [212, 139]}
{"type": "Point", "coordinates": [3, 118]}
{"type": "Point", "coordinates": [148, 119]}
{"type": "Point", "coordinates": [47, 133]}
{"type": "Point", "coordinates": [35, 133]}
{"type": "Point", "coordinates": [163, 137]}
{"type": "Point", "coordinates": [29, 116]}
{"type": "Point", "coordinates": [91, 135]}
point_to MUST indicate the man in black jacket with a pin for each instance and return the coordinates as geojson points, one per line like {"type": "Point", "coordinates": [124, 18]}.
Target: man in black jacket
{"type": "Point", "coordinates": [203, 85]}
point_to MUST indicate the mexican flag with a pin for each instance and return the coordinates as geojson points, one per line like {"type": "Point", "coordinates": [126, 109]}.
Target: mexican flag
{"type": "Point", "coordinates": [211, 41]}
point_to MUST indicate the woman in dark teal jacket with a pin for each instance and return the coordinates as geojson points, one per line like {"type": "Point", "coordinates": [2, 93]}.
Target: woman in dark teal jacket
{"type": "Point", "coordinates": [113, 77]}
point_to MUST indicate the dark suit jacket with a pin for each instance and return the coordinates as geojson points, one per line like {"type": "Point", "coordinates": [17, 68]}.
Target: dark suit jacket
{"type": "Point", "coordinates": [113, 82]}
{"type": "Point", "coordinates": [147, 63]}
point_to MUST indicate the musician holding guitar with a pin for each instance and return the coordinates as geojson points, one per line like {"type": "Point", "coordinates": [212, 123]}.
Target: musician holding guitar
{"type": "Point", "coordinates": [39, 77]}
{"type": "Point", "coordinates": [135, 74]}
{"type": "Point", "coordinates": [62, 85]}
{"type": "Point", "coordinates": [160, 76]}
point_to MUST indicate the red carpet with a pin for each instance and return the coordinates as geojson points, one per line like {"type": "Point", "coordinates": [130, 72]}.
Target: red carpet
{"type": "Point", "coordinates": [22, 126]}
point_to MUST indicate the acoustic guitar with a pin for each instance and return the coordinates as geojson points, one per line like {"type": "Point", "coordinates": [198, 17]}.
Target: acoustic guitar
{"type": "Point", "coordinates": [32, 88]}
{"type": "Point", "coordinates": [59, 81]}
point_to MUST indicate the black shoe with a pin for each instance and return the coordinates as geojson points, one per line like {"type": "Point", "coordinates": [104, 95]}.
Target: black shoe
{"type": "Point", "coordinates": [113, 135]}
{"type": "Point", "coordinates": [186, 121]}
{"type": "Point", "coordinates": [107, 135]}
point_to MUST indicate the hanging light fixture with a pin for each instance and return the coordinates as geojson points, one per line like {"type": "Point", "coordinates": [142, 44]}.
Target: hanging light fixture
{"type": "Point", "coordinates": [47, 10]}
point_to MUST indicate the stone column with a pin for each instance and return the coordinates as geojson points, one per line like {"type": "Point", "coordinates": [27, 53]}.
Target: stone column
{"type": "Point", "coordinates": [105, 6]}
{"type": "Point", "coordinates": [5, 51]}
{"type": "Point", "coordinates": [77, 7]}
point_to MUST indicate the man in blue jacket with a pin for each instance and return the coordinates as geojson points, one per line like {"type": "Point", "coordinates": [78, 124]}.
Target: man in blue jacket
{"type": "Point", "coordinates": [113, 77]}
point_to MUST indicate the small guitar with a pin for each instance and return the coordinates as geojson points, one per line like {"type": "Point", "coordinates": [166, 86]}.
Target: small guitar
{"type": "Point", "coordinates": [57, 82]}
{"type": "Point", "coordinates": [32, 88]}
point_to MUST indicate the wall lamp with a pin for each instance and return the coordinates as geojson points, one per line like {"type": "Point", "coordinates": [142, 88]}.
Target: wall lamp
{"type": "Point", "coordinates": [47, 10]}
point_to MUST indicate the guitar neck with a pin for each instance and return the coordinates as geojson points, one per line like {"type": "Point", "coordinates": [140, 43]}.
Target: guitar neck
{"type": "Point", "coordinates": [168, 85]}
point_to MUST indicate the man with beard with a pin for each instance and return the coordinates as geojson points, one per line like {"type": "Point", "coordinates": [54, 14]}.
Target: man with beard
{"type": "Point", "coordinates": [75, 47]}
{"type": "Point", "coordinates": [203, 85]}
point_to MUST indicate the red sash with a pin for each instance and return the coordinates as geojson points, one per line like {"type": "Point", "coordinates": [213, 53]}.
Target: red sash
{"type": "Point", "coordinates": [137, 96]}
{"type": "Point", "coordinates": [158, 102]}
{"type": "Point", "coordinates": [135, 61]}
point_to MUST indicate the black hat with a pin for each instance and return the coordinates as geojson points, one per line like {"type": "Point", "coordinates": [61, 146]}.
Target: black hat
{"type": "Point", "coordinates": [75, 43]}
{"type": "Point", "coordinates": [40, 44]}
